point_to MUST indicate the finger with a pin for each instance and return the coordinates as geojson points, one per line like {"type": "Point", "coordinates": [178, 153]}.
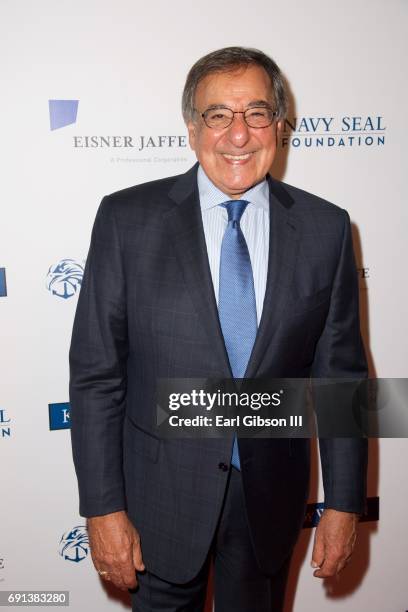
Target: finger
{"type": "Point", "coordinates": [113, 577]}
{"type": "Point", "coordinates": [128, 576]}
{"type": "Point", "coordinates": [342, 564]}
{"type": "Point", "coordinates": [122, 576]}
{"type": "Point", "coordinates": [137, 557]}
{"type": "Point", "coordinates": [328, 568]}
{"type": "Point", "coordinates": [318, 552]}
{"type": "Point", "coordinates": [100, 566]}
{"type": "Point", "coordinates": [117, 579]}
{"type": "Point", "coordinates": [103, 574]}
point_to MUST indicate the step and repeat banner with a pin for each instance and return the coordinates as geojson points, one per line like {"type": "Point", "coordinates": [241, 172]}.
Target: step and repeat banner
{"type": "Point", "coordinates": [91, 104]}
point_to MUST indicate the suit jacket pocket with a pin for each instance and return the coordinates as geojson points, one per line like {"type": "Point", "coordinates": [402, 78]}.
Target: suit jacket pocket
{"type": "Point", "coordinates": [141, 442]}
{"type": "Point", "coordinates": [304, 303]}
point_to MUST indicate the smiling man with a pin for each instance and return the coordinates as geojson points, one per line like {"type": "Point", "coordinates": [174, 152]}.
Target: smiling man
{"type": "Point", "coordinates": [238, 149]}
{"type": "Point", "coordinates": [221, 272]}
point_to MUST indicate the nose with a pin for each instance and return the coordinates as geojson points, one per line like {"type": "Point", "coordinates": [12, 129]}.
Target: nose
{"type": "Point", "coordinates": [238, 131]}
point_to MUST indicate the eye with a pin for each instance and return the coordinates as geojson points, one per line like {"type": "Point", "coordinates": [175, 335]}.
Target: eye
{"type": "Point", "coordinates": [216, 115]}
{"type": "Point", "coordinates": [257, 113]}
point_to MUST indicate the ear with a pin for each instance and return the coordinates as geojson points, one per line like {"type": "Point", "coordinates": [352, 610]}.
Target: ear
{"type": "Point", "coordinates": [192, 134]}
{"type": "Point", "coordinates": [279, 129]}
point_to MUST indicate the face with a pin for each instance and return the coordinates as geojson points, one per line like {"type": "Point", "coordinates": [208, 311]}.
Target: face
{"type": "Point", "coordinates": [237, 157]}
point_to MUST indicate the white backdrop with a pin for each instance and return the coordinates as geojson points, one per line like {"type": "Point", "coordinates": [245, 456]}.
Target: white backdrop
{"type": "Point", "coordinates": [126, 62]}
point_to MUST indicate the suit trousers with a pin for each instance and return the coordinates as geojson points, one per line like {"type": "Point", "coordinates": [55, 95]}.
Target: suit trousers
{"type": "Point", "coordinates": [238, 583]}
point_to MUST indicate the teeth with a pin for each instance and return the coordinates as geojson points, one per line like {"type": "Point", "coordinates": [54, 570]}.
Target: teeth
{"type": "Point", "coordinates": [237, 156]}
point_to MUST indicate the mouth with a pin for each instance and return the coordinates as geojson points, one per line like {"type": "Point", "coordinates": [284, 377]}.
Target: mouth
{"type": "Point", "coordinates": [237, 158]}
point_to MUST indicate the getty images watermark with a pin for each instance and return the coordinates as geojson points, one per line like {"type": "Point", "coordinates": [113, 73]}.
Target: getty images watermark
{"type": "Point", "coordinates": [282, 408]}
{"type": "Point", "coordinates": [221, 400]}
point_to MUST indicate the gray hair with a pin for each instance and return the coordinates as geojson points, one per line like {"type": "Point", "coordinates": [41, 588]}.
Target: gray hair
{"type": "Point", "coordinates": [225, 60]}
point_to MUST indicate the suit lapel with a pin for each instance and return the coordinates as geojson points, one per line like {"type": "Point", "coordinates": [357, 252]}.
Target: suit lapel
{"type": "Point", "coordinates": [283, 249]}
{"type": "Point", "coordinates": [186, 228]}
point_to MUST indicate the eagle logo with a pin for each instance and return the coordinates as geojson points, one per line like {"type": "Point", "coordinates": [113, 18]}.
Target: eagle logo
{"type": "Point", "coordinates": [64, 279]}
{"type": "Point", "coordinates": [74, 544]}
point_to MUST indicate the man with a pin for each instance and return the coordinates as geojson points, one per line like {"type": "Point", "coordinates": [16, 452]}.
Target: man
{"type": "Point", "coordinates": [156, 302]}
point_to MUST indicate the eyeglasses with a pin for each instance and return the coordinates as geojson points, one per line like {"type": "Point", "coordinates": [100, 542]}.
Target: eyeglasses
{"type": "Point", "coordinates": [221, 117]}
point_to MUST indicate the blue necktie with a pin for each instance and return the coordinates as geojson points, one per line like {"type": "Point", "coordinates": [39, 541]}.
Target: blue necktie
{"type": "Point", "coordinates": [236, 300]}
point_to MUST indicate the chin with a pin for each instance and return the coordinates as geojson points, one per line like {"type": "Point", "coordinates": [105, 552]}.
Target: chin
{"type": "Point", "coordinates": [242, 185]}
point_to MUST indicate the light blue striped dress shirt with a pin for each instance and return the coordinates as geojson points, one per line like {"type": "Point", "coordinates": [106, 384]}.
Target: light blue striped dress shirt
{"type": "Point", "coordinates": [254, 225]}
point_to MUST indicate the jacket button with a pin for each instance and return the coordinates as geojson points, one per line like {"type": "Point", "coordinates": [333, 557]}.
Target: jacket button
{"type": "Point", "coordinates": [223, 466]}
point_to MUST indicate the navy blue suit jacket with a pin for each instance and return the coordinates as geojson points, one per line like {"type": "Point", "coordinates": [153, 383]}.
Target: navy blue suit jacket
{"type": "Point", "coordinates": [147, 310]}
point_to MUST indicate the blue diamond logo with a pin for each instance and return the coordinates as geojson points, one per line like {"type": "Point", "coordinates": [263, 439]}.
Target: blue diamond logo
{"type": "Point", "coordinates": [62, 113]}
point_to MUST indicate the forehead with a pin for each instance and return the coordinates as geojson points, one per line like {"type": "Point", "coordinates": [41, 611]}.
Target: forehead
{"type": "Point", "coordinates": [240, 85]}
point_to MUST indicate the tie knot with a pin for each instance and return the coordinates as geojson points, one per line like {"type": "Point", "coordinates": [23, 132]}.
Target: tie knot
{"type": "Point", "coordinates": [235, 209]}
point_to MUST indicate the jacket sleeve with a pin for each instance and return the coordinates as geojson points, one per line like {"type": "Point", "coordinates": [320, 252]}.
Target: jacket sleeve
{"type": "Point", "coordinates": [340, 354]}
{"type": "Point", "coordinates": [98, 357]}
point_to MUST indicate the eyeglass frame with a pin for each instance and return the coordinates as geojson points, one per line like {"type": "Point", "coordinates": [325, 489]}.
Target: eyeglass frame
{"type": "Point", "coordinates": [220, 106]}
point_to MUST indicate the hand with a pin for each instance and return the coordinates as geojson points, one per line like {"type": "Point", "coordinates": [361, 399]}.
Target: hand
{"type": "Point", "coordinates": [115, 549]}
{"type": "Point", "coordinates": [334, 542]}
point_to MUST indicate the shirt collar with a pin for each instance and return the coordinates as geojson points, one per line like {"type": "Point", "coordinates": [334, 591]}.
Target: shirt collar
{"type": "Point", "coordinates": [211, 196]}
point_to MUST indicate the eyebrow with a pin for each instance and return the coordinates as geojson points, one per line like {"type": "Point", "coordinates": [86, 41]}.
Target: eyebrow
{"type": "Point", "coordinates": [259, 103]}
{"type": "Point", "coordinates": [254, 103]}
